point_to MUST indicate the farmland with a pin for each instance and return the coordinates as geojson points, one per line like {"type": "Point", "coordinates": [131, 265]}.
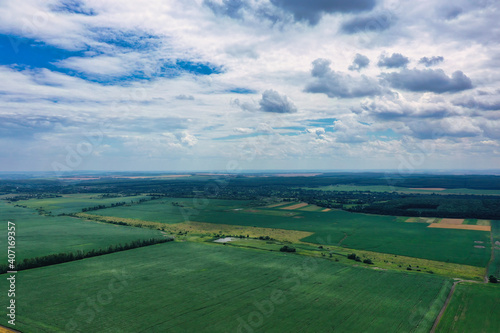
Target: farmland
{"type": "Point", "coordinates": [386, 188]}
{"type": "Point", "coordinates": [39, 235]}
{"type": "Point", "coordinates": [473, 308]}
{"type": "Point", "coordinates": [198, 288]}
{"type": "Point", "coordinates": [494, 268]}
{"type": "Point", "coordinates": [344, 260]}
{"type": "Point", "coordinates": [73, 203]}
{"type": "Point", "coordinates": [367, 232]}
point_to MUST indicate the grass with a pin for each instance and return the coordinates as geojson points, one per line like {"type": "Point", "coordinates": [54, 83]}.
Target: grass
{"type": "Point", "coordinates": [189, 287]}
{"type": "Point", "coordinates": [38, 235]}
{"type": "Point", "coordinates": [385, 234]}
{"type": "Point", "coordinates": [473, 308]}
{"type": "Point", "coordinates": [73, 203]}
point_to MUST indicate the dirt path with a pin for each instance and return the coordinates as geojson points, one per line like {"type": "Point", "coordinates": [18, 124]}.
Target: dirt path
{"type": "Point", "coordinates": [492, 259]}
{"type": "Point", "coordinates": [444, 306]}
{"type": "Point", "coordinates": [343, 239]}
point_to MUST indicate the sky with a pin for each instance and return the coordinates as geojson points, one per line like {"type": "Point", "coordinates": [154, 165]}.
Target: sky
{"type": "Point", "coordinates": [234, 85]}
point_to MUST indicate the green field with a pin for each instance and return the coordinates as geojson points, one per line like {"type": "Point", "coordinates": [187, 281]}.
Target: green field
{"type": "Point", "coordinates": [164, 211]}
{"type": "Point", "coordinates": [73, 203]}
{"type": "Point", "coordinates": [494, 268]}
{"type": "Point", "coordinates": [38, 235]}
{"type": "Point", "coordinates": [473, 308]}
{"type": "Point", "coordinates": [188, 287]}
{"type": "Point", "coordinates": [387, 188]}
{"type": "Point", "coordinates": [376, 233]}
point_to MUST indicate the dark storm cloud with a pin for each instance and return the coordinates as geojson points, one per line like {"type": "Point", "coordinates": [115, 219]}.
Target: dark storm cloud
{"type": "Point", "coordinates": [428, 80]}
{"type": "Point", "coordinates": [396, 60]}
{"type": "Point", "coordinates": [360, 61]}
{"type": "Point", "coordinates": [272, 101]}
{"type": "Point", "coordinates": [336, 84]}
{"type": "Point", "coordinates": [312, 10]}
{"type": "Point", "coordinates": [231, 8]}
{"type": "Point", "coordinates": [427, 62]}
{"type": "Point", "coordinates": [371, 23]}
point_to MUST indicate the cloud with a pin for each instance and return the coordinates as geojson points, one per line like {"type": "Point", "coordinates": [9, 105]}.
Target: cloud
{"type": "Point", "coordinates": [428, 80]}
{"type": "Point", "coordinates": [312, 10]}
{"type": "Point", "coordinates": [487, 103]}
{"type": "Point", "coordinates": [231, 8]}
{"type": "Point", "coordinates": [396, 60]}
{"type": "Point", "coordinates": [376, 22]}
{"type": "Point", "coordinates": [187, 139]}
{"type": "Point", "coordinates": [396, 107]}
{"type": "Point", "coordinates": [360, 61]}
{"type": "Point", "coordinates": [336, 84]}
{"type": "Point", "coordinates": [183, 97]}
{"type": "Point", "coordinates": [272, 101]}
{"type": "Point", "coordinates": [99, 65]}
{"type": "Point", "coordinates": [427, 62]}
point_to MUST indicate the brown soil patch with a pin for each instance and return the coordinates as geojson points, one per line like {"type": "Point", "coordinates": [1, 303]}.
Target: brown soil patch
{"type": "Point", "coordinates": [497, 243]}
{"type": "Point", "coordinates": [479, 246]}
{"type": "Point", "coordinates": [277, 204]}
{"type": "Point", "coordinates": [296, 206]}
{"type": "Point", "coordinates": [460, 227]}
{"type": "Point", "coordinates": [478, 242]}
{"type": "Point", "coordinates": [428, 188]}
{"type": "Point", "coordinates": [326, 210]}
{"type": "Point", "coordinates": [452, 221]}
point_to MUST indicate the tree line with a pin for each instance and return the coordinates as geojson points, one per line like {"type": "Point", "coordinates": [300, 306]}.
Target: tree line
{"type": "Point", "coordinates": [58, 258]}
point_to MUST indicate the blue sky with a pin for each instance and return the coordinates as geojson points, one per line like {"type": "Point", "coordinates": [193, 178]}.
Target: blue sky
{"type": "Point", "coordinates": [249, 84]}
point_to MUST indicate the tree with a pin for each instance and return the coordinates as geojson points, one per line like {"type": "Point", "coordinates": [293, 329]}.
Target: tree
{"type": "Point", "coordinates": [287, 249]}
{"type": "Point", "coordinates": [368, 261]}
{"type": "Point", "coordinates": [493, 279]}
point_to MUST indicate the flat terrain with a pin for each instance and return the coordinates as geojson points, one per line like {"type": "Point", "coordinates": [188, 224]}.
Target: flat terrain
{"type": "Point", "coordinates": [494, 268]}
{"type": "Point", "coordinates": [386, 234]}
{"type": "Point", "coordinates": [73, 203]}
{"type": "Point", "coordinates": [38, 235]}
{"type": "Point", "coordinates": [188, 287]}
{"type": "Point", "coordinates": [473, 308]}
{"type": "Point", "coordinates": [387, 188]}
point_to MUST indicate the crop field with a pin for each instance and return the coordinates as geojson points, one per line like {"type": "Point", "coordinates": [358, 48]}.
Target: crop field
{"type": "Point", "coordinates": [494, 268]}
{"type": "Point", "coordinates": [39, 235]}
{"type": "Point", "coordinates": [387, 188]}
{"type": "Point", "coordinates": [172, 210]}
{"type": "Point", "coordinates": [189, 287]}
{"type": "Point", "coordinates": [473, 308]}
{"type": "Point", "coordinates": [73, 203]}
{"type": "Point", "coordinates": [376, 233]}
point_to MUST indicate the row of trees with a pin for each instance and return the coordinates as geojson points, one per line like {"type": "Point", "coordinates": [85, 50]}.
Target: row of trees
{"type": "Point", "coordinates": [59, 258]}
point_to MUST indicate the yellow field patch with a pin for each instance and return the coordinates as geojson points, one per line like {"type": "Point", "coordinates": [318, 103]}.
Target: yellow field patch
{"type": "Point", "coordinates": [483, 222]}
{"type": "Point", "coordinates": [421, 220]}
{"type": "Point", "coordinates": [452, 221]}
{"type": "Point", "coordinates": [311, 208]}
{"type": "Point", "coordinates": [326, 210]}
{"type": "Point", "coordinates": [460, 227]}
{"type": "Point", "coordinates": [296, 206]}
{"type": "Point", "coordinates": [277, 204]}
{"type": "Point", "coordinates": [428, 188]}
